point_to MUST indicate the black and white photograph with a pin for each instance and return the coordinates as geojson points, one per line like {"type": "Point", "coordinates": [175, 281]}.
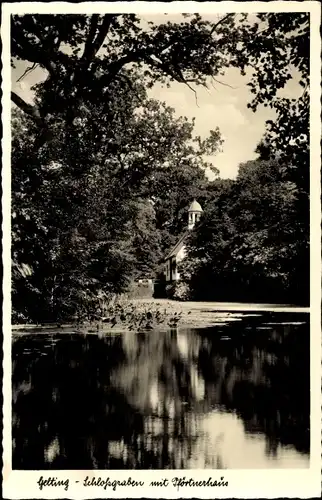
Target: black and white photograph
{"type": "Point", "coordinates": [160, 177]}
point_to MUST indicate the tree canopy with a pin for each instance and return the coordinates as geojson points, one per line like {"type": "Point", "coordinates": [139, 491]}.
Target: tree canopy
{"type": "Point", "coordinates": [83, 55]}
{"type": "Point", "coordinates": [100, 170]}
{"type": "Point", "coordinates": [91, 207]}
{"type": "Point", "coordinates": [252, 243]}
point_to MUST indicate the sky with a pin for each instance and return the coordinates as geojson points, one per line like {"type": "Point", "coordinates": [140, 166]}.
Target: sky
{"type": "Point", "coordinates": [224, 106]}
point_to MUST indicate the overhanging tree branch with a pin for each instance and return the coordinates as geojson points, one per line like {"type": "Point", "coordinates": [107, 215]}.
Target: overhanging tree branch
{"type": "Point", "coordinates": [218, 23]}
{"type": "Point", "coordinates": [31, 53]}
{"type": "Point", "coordinates": [30, 110]}
{"type": "Point", "coordinates": [90, 38]}
{"type": "Point", "coordinates": [103, 30]}
{"type": "Point", "coordinates": [92, 44]}
{"type": "Point", "coordinates": [28, 70]}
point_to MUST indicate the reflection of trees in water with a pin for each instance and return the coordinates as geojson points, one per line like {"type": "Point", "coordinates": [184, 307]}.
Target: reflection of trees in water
{"type": "Point", "coordinates": [265, 377]}
{"type": "Point", "coordinates": [165, 387]}
{"type": "Point", "coordinates": [137, 401]}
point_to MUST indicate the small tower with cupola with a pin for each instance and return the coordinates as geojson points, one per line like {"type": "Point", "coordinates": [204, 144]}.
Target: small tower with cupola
{"type": "Point", "coordinates": [194, 214]}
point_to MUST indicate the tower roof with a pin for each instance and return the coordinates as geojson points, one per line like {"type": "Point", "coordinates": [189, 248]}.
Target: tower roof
{"type": "Point", "coordinates": [195, 207]}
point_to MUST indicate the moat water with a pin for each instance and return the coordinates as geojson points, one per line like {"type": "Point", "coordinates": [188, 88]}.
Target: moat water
{"type": "Point", "coordinates": [236, 396]}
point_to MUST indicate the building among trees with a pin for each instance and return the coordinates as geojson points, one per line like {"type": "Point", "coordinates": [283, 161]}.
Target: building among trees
{"type": "Point", "coordinates": [177, 253]}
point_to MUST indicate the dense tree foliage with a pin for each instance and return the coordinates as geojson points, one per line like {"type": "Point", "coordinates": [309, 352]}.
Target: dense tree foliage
{"type": "Point", "coordinates": [85, 55]}
{"type": "Point", "coordinates": [102, 175]}
{"type": "Point", "coordinates": [254, 240]}
{"type": "Point", "coordinates": [91, 207]}
{"type": "Point", "coordinates": [251, 244]}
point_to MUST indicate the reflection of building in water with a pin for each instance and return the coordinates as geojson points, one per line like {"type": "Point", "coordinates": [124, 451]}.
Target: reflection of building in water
{"type": "Point", "coordinates": [52, 451]}
{"type": "Point", "coordinates": [188, 347]}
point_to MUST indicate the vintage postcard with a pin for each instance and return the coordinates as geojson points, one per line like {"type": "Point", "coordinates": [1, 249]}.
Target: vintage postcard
{"type": "Point", "coordinates": [161, 250]}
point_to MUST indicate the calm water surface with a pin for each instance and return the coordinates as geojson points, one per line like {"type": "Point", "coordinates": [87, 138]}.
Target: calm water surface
{"type": "Point", "coordinates": [232, 396]}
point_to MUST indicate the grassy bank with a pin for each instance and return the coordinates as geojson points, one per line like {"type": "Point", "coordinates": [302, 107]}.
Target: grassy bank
{"type": "Point", "coordinates": [123, 315]}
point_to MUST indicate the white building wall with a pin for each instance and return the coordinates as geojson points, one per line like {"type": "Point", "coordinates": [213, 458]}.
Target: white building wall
{"type": "Point", "coordinates": [181, 254]}
{"type": "Point", "coordinates": [179, 257]}
{"type": "Point", "coordinates": [175, 259]}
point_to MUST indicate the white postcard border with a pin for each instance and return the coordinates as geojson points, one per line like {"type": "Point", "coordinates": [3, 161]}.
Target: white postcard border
{"type": "Point", "coordinates": [241, 483]}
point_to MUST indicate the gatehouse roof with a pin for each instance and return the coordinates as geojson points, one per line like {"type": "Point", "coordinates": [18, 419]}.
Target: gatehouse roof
{"type": "Point", "coordinates": [195, 207]}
